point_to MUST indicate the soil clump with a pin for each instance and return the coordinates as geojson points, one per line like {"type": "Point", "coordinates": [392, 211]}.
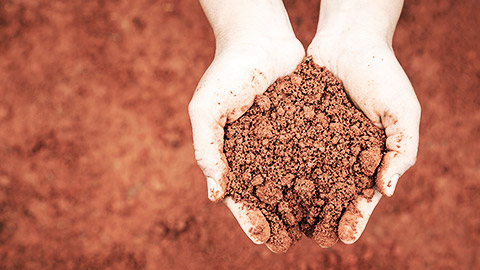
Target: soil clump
{"type": "Point", "coordinates": [301, 154]}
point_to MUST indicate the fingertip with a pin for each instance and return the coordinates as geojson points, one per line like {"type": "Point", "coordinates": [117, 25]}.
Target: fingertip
{"type": "Point", "coordinates": [216, 189]}
{"type": "Point", "coordinates": [259, 234]}
{"type": "Point", "coordinates": [393, 166]}
{"type": "Point", "coordinates": [389, 173]}
{"type": "Point", "coordinates": [279, 247]}
{"type": "Point", "coordinates": [347, 228]}
{"type": "Point", "coordinates": [259, 230]}
{"type": "Point", "coordinates": [279, 240]}
{"type": "Point", "coordinates": [252, 221]}
{"type": "Point", "coordinates": [272, 248]}
{"type": "Point", "coordinates": [325, 236]}
{"type": "Point", "coordinates": [355, 219]}
{"type": "Point", "coordinates": [388, 186]}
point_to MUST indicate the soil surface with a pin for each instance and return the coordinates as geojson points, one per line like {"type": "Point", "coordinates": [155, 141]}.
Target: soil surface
{"type": "Point", "coordinates": [301, 154]}
{"type": "Point", "coordinates": [97, 168]}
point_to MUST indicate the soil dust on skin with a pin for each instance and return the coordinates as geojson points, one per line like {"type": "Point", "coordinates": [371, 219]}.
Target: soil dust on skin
{"type": "Point", "coordinates": [97, 167]}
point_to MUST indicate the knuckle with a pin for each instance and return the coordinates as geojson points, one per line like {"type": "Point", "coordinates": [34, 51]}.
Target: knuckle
{"type": "Point", "coordinates": [410, 154]}
{"type": "Point", "coordinates": [411, 160]}
{"type": "Point", "coordinates": [193, 106]}
{"type": "Point", "coordinates": [198, 155]}
{"type": "Point", "coordinates": [406, 160]}
{"type": "Point", "coordinates": [417, 108]}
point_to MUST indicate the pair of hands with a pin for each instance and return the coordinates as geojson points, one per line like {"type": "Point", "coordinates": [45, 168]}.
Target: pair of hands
{"type": "Point", "coordinates": [256, 45]}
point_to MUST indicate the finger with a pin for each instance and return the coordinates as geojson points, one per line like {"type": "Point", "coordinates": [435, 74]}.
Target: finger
{"type": "Point", "coordinates": [252, 221]}
{"type": "Point", "coordinates": [325, 236]}
{"type": "Point", "coordinates": [224, 93]}
{"type": "Point", "coordinates": [279, 242]}
{"type": "Point", "coordinates": [395, 107]}
{"type": "Point", "coordinates": [208, 143]}
{"type": "Point", "coordinates": [355, 218]}
{"type": "Point", "coordinates": [402, 130]}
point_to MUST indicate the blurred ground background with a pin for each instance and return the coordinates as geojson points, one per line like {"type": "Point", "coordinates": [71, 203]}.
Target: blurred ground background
{"type": "Point", "coordinates": [96, 159]}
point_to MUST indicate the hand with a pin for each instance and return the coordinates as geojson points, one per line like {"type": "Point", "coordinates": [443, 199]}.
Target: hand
{"type": "Point", "coordinates": [354, 41]}
{"type": "Point", "coordinates": [255, 46]}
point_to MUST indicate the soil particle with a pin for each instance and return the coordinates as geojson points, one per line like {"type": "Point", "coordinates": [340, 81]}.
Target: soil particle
{"type": "Point", "coordinates": [301, 154]}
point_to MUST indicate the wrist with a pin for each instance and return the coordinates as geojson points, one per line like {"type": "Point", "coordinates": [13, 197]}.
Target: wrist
{"type": "Point", "coordinates": [348, 35]}
{"type": "Point", "coordinates": [366, 19]}
{"type": "Point", "coordinates": [236, 21]}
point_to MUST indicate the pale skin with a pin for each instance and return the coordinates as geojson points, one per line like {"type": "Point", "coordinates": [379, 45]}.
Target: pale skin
{"type": "Point", "coordinates": [255, 45]}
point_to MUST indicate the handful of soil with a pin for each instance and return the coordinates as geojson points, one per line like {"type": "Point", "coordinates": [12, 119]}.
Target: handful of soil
{"type": "Point", "coordinates": [301, 154]}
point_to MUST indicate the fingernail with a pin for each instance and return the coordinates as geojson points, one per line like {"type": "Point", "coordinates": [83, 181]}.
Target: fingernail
{"type": "Point", "coordinates": [390, 187]}
{"type": "Point", "coordinates": [212, 189]}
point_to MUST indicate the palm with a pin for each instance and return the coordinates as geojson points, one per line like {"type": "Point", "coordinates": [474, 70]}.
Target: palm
{"type": "Point", "coordinates": [378, 86]}
{"type": "Point", "coordinates": [228, 88]}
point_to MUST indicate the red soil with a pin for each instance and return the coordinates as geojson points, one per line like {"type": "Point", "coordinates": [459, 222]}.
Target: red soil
{"type": "Point", "coordinates": [97, 166]}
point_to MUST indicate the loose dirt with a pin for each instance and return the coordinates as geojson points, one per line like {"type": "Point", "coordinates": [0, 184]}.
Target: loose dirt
{"type": "Point", "coordinates": [301, 154]}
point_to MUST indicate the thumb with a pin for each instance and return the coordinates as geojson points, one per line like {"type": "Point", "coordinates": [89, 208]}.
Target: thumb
{"type": "Point", "coordinates": [207, 126]}
{"type": "Point", "coordinates": [402, 130]}
{"type": "Point", "coordinates": [225, 92]}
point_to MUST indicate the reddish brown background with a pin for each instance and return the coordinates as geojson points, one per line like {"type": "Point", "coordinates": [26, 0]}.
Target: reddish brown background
{"type": "Point", "coordinates": [96, 156]}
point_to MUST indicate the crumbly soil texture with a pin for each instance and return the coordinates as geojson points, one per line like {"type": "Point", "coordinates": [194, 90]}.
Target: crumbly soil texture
{"type": "Point", "coordinates": [301, 154]}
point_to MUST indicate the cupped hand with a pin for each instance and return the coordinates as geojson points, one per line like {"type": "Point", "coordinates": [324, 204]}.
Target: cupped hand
{"type": "Point", "coordinates": [379, 87]}
{"type": "Point", "coordinates": [256, 45]}
{"type": "Point", "coordinates": [243, 67]}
